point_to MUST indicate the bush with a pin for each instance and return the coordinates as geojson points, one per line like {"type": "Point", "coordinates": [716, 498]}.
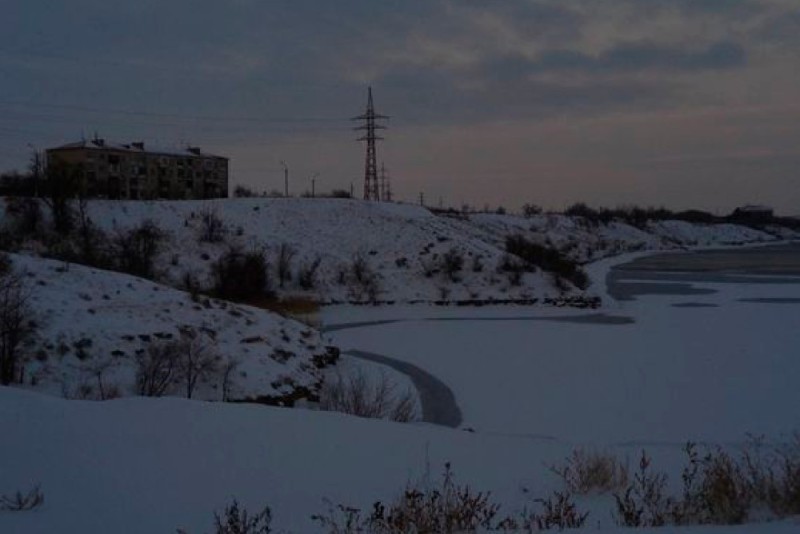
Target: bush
{"type": "Point", "coordinates": [357, 394]}
{"type": "Point", "coordinates": [363, 280]}
{"type": "Point", "coordinates": [718, 488]}
{"type": "Point", "coordinates": [26, 215]}
{"type": "Point", "coordinates": [156, 368]}
{"type": "Point", "coordinates": [644, 503]}
{"type": "Point", "coordinates": [241, 275]}
{"type": "Point", "coordinates": [22, 502]}
{"type": "Point", "coordinates": [452, 263]}
{"type": "Point", "coordinates": [558, 511]}
{"type": "Point", "coordinates": [238, 521]}
{"type": "Point", "coordinates": [187, 361]}
{"type": "Point", "coordinates": [530, 210]}
{"type": "Point", "coordinates": [136, 249]}
{"type": "Point", "coordinates": [286, 254]}
{"type": "Point", "coordinates": [212, 228]}
{"type": "Point", "coordinates": [448, 508]}
{"type": "Point", "coordinates": [546, 258]}
{"type": "Point", "coordinates": [307, 274]}
{"type": "Point", "coordinates": [586, 471]}
{"type": "Point", "coordinates": [17, 323]}
{"type": "Point", "coordinates": [242, 191]}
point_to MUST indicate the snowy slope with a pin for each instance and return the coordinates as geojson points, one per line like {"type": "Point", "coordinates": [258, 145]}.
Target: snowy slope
{"type": "Point", "coordinates": [584, 242]}
{"type": "Point", "coordinates": [156, 465]}
{"type": "Point", "coordinates": [399, 242]}
{"type": "Point", "coordinates": [92, 323]}
{"type": "Point", "coordinates": [402, 244]}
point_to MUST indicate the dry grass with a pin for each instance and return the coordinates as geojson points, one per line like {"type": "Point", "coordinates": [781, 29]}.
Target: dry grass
{"type": "Point", "coordinates": [589, 471]}
{"type": "Point", "coordinates": [21, 502]}
{"type": "Point", "coordinates": [289, 306]}
{"type": "Point", "coordinates": [446, 508]}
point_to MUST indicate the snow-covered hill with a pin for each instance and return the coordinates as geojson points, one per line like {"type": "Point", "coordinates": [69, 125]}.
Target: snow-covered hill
{"type": "Point", "coordinates": [402, 248]}
{"type": "Point", "coordinates": [91, 325]}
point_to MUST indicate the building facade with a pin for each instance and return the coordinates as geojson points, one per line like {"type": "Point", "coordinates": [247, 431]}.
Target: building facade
{"type": "Point", "coordinates": [132, 171]}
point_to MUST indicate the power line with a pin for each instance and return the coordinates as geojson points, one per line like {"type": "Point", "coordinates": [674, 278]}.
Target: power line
{"type": "Point", "coordinates": [139, 113]}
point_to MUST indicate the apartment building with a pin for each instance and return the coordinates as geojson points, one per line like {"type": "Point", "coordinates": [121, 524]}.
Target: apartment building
{"type": "Point", "coordinates": [133, 171]}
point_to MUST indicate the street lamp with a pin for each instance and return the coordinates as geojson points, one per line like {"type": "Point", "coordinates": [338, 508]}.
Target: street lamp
{"type": "Point", "coordinates": [285, 179]}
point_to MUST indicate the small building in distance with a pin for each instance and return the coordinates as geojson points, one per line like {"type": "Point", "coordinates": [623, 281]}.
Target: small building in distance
{"type": "Point", "coordinates": [132, 171]}
{"type": "Point", "coordinates": [752, 213]}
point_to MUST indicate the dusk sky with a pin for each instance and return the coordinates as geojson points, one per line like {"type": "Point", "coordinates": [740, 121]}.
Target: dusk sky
{"type": "Point", "coordinates": [680, 103]}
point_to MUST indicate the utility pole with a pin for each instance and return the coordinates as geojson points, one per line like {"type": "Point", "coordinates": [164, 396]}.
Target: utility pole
{"type": "Point", "coordinates": [36, 168]}
{"type": "Point", "coordinates": [370, 118]}
{"type": "Point", "coordinates": [422, 199]}
{"type": "Point", "coordinates": [386, 185]}
{"type": "Point", "coordinates": [313, 184]}
{"type": "Point", "coordinates": [285, 179]}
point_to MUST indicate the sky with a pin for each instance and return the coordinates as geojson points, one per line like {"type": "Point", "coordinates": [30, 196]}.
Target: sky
{"type": "Point", "coordinates": [675, 103]}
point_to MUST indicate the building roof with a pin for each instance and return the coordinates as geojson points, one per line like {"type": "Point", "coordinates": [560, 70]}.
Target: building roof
{"type": "Point", "coordinates": [753, 208]}
{"type": "Point", "coordinates": [137, 147]}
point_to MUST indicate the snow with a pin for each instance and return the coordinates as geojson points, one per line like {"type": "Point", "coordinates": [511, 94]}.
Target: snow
{"type": "Point", "coordinates": [154, 465]}
{"type": "Point", "coordinates": [531, 385]}
{"type": "Point", "coordinates": [402, 243]}
{"type": "Point", "coordinates": [91, 319]}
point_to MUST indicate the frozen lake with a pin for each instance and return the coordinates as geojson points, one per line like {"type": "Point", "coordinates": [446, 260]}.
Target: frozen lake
{"type": "Point", "coordinates": [704, 347]}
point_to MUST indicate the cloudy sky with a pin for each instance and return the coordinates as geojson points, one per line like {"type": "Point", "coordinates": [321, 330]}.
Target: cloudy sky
{"type": "Point", "coordinates": [681, 103]}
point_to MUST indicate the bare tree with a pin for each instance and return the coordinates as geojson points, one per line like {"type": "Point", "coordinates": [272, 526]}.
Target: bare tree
{"type": "Point", "coordinates": [136, 249]}
{"type": "Point", "coordinates": [197, 359]}
{"type": "Point", "coordinates": [212, 228]}
{"type": "Point", "coordinates": [307, 273]}
{"type": "Point", "coordinates": [156, 368]}
{"type": "Point", "coordinates": [227, 370]}
{"type": "Point", "coordinates": [16, 325]}
{"type": "Point", "coordinates": [286, 254]}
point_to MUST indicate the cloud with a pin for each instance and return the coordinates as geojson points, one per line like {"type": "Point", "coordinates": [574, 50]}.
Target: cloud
{"type": "Point", "coordinates": [631, 57]}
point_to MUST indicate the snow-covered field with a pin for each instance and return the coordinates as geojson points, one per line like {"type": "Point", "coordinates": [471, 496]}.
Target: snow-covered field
{"type": "Point", "coordinates": [531, 390]}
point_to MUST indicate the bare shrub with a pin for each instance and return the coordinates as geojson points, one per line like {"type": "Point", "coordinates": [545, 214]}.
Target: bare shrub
{"type": "Point", "coordinates": [197, 359]}
{"type": "Point", "coordinates": [447, 508]}
{"type": "Point", "coordinates": [513, 267]}
{"type": "Point", "coordinates": [530, 210]}
{"type": "Point", "coordinates": [92, 241]}
{"type": "Point", "coordinates": [241, 275]}
{"type": "Point", "coordinates": [782, 486]}
{"type": "Point", "coordinates": [212, 228]}
{"type": "Point", "coordinates": [718, 488]}
{"type": "Point", "coordinates": [357, 394]}
{"type": "Point", "coordinates": [364, 282]}
{"type": "Point", "coordinates": [22, 502]}
{"type": "Point", "coordinates": [307, 274]}
{"type": "Point", "coordinates": [286, 254]}
{"type": "Point", "coordinates": [187, 361]}
{"type": "Point", "coordinates": [156, 368]}
{"type": "Point", "coordinates": [26, 215]}
{"type": "Point", "coordinates": [586, 471]}
{"type": "Point", "coordinates": [226, 374]}
{"type": "Point", "coordinates": [558, 512]}
{"type": "Point", "coordinates": [548, 259]}
{"type": "Point", "coordinates": [236, 520]}
{"type": "Point", "coordinates": [644, 503]}
{"type": "Point", "coordinates": [17, 323]}
{"type": "Point", "coordinates": [136, 249]}
{"type": "Point", "coordinates": [452, 263]}
{"type": "Point", "coordinates": [62, 183]}
{"type": "Point", "coordinates": [242, 191]}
